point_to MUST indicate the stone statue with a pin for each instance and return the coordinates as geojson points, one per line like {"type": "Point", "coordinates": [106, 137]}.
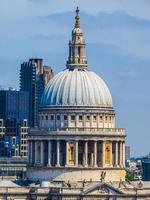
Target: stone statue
{"type": "Point", "coordinates": [103, 175]}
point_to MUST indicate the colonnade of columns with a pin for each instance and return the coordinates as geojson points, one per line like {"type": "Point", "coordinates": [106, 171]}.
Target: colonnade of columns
{"type": "Point", "coordinates": [77, 153]}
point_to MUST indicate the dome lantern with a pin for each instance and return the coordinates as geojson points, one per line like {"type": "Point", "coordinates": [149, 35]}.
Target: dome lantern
{"type": "Point", "coordinates": [77, 54]}
{"type": "Point", "coordinates": [77, 23]}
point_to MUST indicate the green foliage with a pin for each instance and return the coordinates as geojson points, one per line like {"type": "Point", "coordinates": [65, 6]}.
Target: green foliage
{"type": "Point", "coordinates": [129, 177]}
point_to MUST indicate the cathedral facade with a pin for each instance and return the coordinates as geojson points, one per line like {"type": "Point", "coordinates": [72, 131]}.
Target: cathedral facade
{"type": "Point", "coordinates": [76, 139]}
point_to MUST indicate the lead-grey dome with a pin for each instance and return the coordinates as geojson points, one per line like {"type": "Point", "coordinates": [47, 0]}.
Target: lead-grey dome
{"type": "Point", "coordinates": [76, 87]}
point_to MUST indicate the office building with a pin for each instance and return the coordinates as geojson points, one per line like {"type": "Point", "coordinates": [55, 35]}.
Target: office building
{"type": "Point", "coordinates": [34, 78]}
{"type": "Point", "coordinates": [14, 104]}
{"type": "Point", "coordinates": [14, 112]}
{"type": "Point", "coordinates": [146, 168]}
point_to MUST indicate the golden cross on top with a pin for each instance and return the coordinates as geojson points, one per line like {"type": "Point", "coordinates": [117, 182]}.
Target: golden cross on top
{"type": "Point", "coordinates": [77, 10]}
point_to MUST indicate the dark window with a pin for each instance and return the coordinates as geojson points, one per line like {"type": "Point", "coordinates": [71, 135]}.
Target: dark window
{"type": "Point", "coordinates": [25, 123]}
{"type": "Point", "coordinates": [58, 117]}
{"type": "Point", "coordinates": [94, 117]}
{"type": "Point", "coordinates": [65, 117]}
{"type": "Point", "coordinates": [80, 117]}
{"type": "Point", "coordinates": [88, 117]}
{"type": "Point", "coordinates": [72, 117]}
{"type": "Point", "coordinates": [46, 117]}
{"type": "Point", "coordinates": [79, 51]}
{"type": "Point", "coordinates": [14, 140]}
{"type": "Point", "coordinates": [101, 117]}
{"type": "Point", "coordinates": [52, 117]}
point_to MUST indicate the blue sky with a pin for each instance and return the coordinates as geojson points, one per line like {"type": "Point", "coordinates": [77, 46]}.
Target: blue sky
{"type": "Point", "coordinates": [117, 33]}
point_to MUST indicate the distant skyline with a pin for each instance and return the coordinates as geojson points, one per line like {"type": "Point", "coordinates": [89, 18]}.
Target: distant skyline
{"type": "Point", "coordinates": [117, 35]}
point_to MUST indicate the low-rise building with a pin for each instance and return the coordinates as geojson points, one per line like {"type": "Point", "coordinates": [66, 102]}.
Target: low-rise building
{"type": "Point", "coordinates": [13, 168]}
{"type": "Point", "coordinates": [13, 138]}
{"type": "Point", "coordinates": [14, 113]}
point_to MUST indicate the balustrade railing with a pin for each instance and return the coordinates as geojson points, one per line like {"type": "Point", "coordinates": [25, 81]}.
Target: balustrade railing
{"type": "Point", "coordinates": [80, 130]}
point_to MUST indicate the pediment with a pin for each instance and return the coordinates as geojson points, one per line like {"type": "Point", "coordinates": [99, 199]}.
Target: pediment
{"type": "Point", "coordinates": [101, 188]}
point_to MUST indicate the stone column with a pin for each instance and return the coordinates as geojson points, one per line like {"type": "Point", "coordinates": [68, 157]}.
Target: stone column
{"type": "Point", "coordinates": [67, 147]}
{"type": "Point", "coordinates": [58, 154]}
{"type": "Point", "coordinates": [76, 155]}
{"type": "Point", "coordinates": [116, 154]}
{"type": "Point", "coordinates": [120, 163]}
{"type": "Point", "coordinates": [111, 145]}
{"type": "Point", "coordinates": [86, 153]}
{"type": "Point", "coordinates": [95, 153]}
{"type": "Point", "coordinates": [103, 153]}
{"type": "Point", "coordinates": [49, 153]}
{"type": "Point", "coordinates": [42, 153]}
{"type": "Point", "coordinates": [123, 152]}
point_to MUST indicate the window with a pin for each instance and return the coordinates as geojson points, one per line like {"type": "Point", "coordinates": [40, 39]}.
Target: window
{"type": "Point", "coordinates": [72, 117]}
{"type": "Point", "coordinates": [88, 117]}
{"type": "Point", "coordinates": [65, 117]}
{"type": "Point", "coordinates": [25, 123]}
{"type": "Point", "coordinates": [58, 117]}
{"type": "Point", "coordinates": [110, 118]}
{"type": "Point", "coordinates": [94, 117]}
{"type": "Point", "coordinates": [106, 118]}
{"type": "Point", "coordinates": [52, 117]}
{"type": "Point", "coordinates": [46, 117]}
{"type": "Point", "coordinates": [80, 117]}
{"type": "Point", "coordinates": [101, 117]}
{"type": "Point", "coordinates": [14, 141]}
{"type": "Point", "coordinates": [42, 117]}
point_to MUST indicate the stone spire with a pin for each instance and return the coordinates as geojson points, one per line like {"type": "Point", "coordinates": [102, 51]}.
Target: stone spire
{"type": "Point", "coordinates": [77, 18]}
{"type": "Point", "coordinates": [77, 55]}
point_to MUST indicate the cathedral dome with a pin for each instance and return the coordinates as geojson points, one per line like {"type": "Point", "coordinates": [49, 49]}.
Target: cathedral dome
{"type": "Point", "coordinates": [76, 87]}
